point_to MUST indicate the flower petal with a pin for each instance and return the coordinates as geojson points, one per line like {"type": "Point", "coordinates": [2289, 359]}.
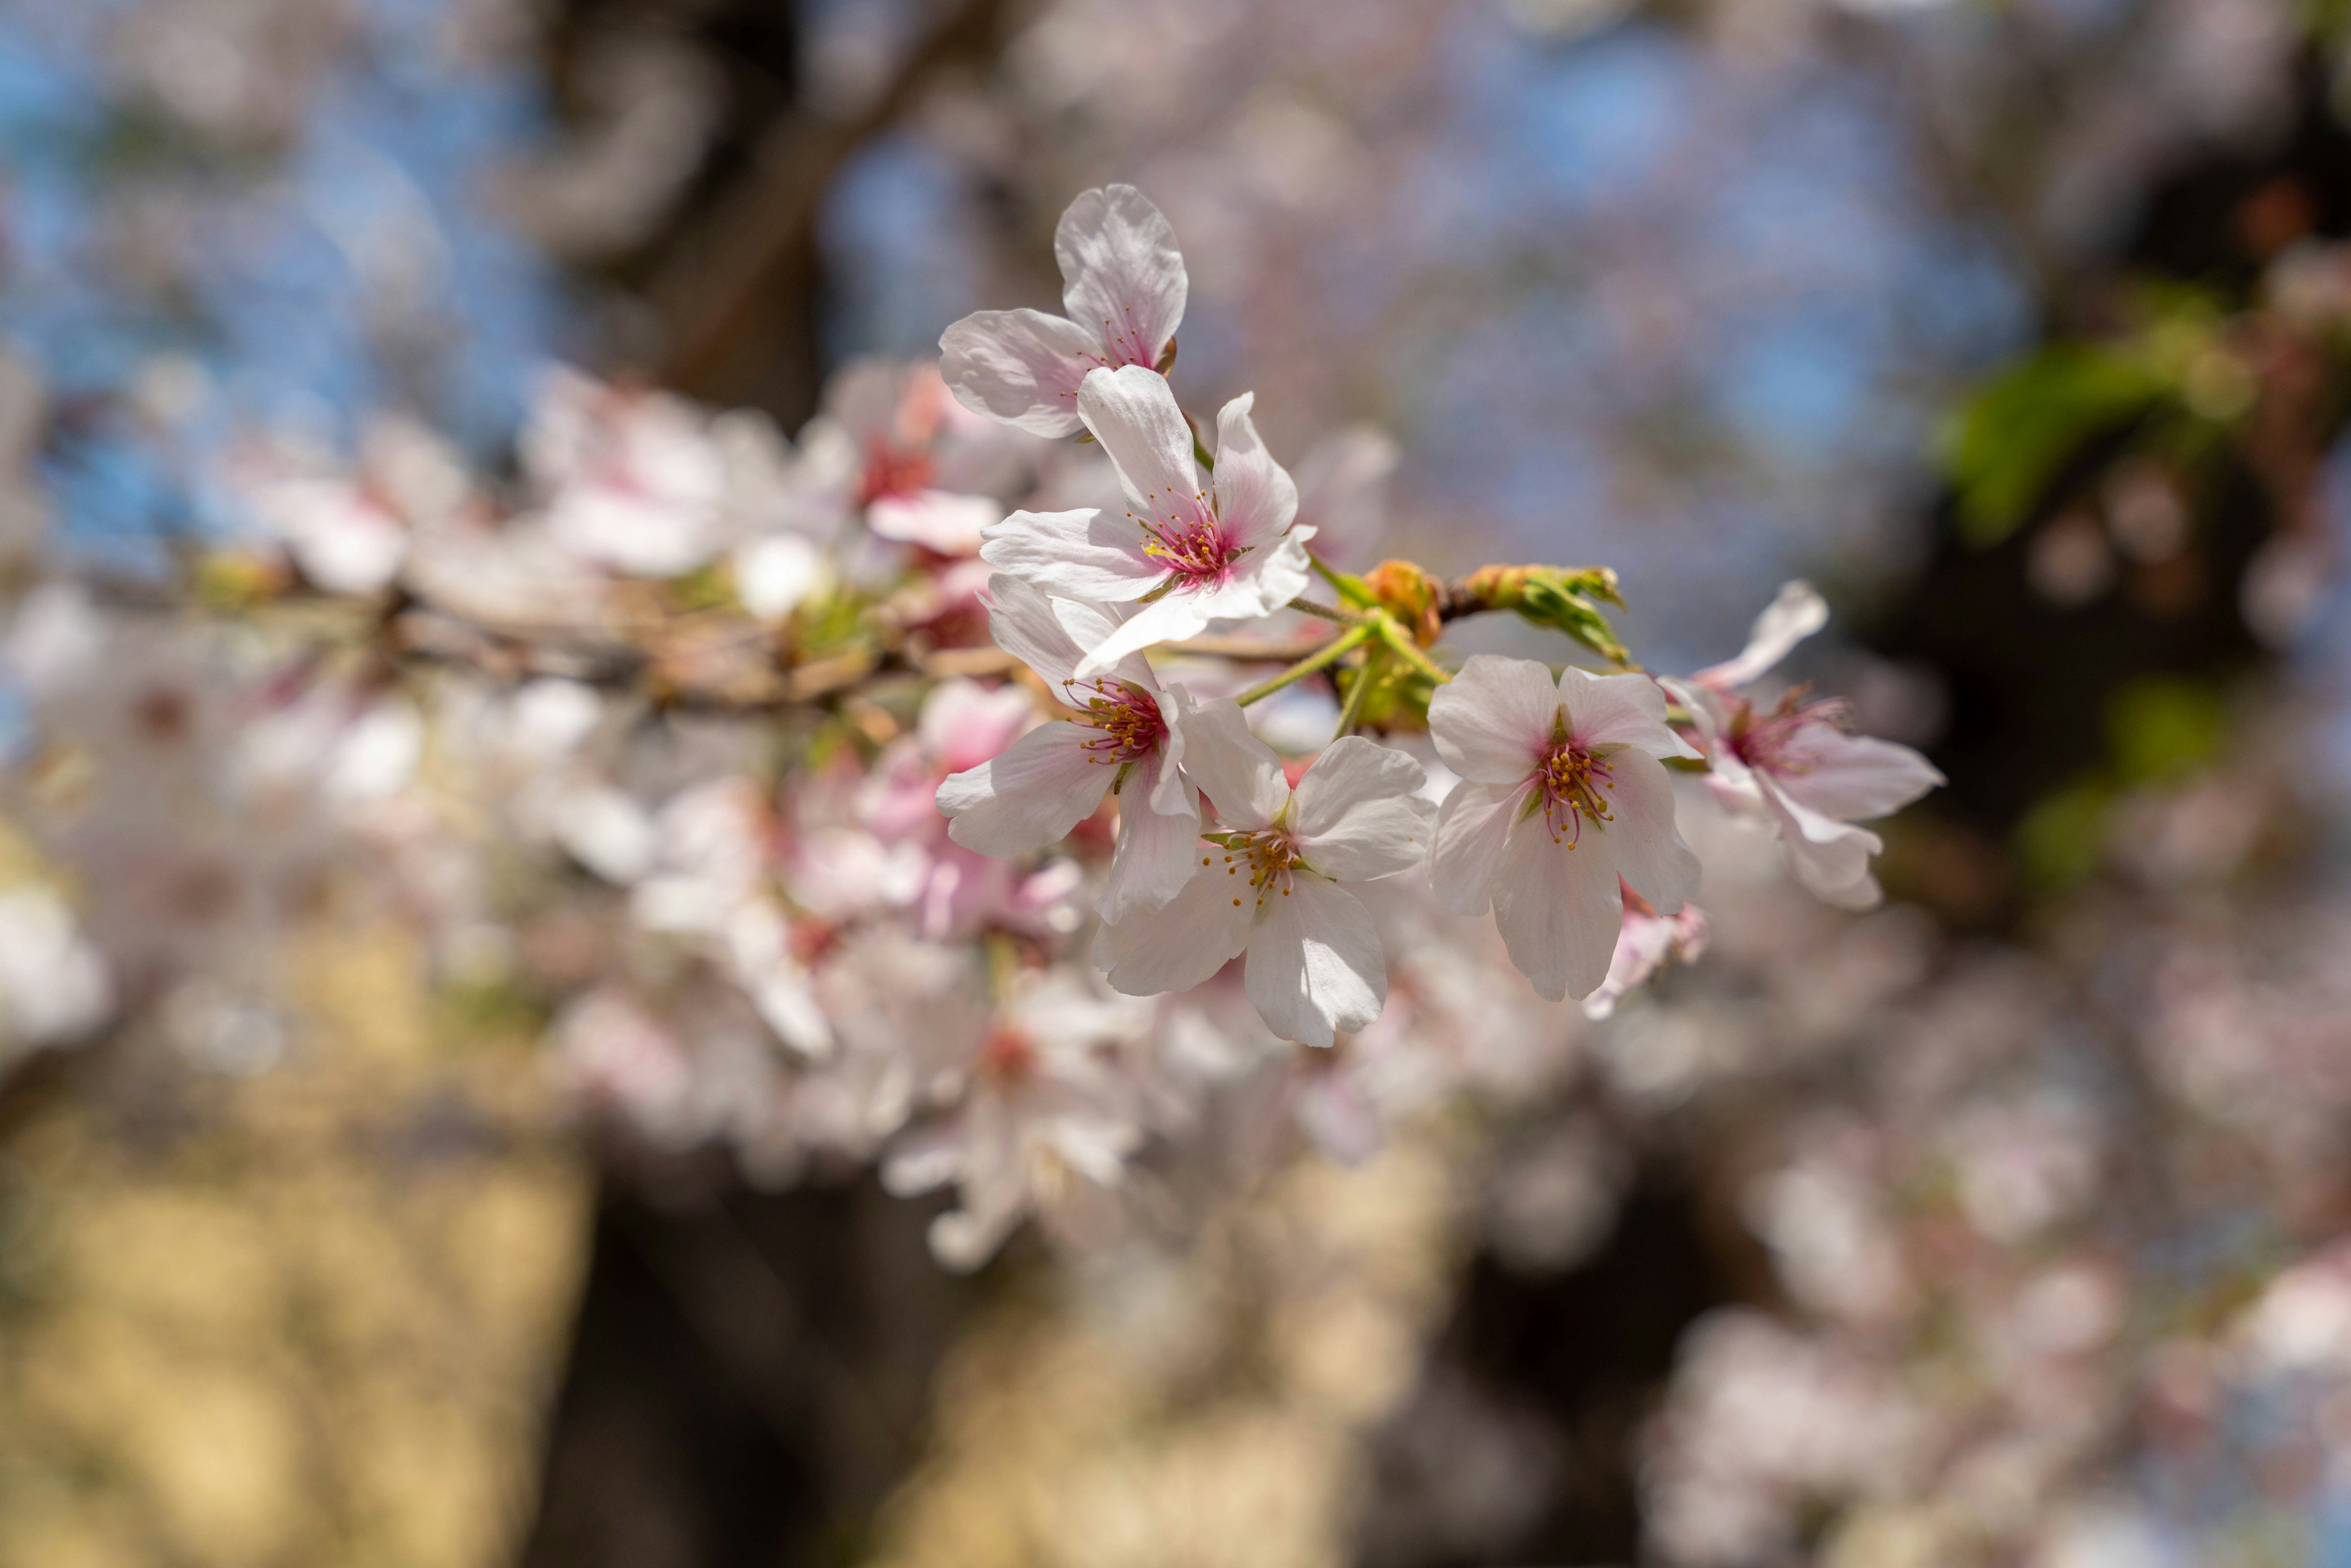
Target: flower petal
{"type": "Point", "coordinates": [1643, 839]}
{"type": "Point", "coordinates": [1122, 277]}
{"type": "Point", "coordinates": [1261, 582]}
{"type": "Point", "coordinates": [1134, 416]}
{"type": "Point", "coordinates": [1315, 967]}
{"type": "Point", "coordinates": [1358, 813]}
{"type": "Point", "coordinates": [1084, 554]}
{"type": "Point", "coordinates": [1022, 367]}
{"type": "Point", "coordinates": [1829, 857]}
{"type": "Point", "coordinates": [938, 520]}
{"type": "Point", "coordinates": [1180, 944]}
{"type": "Point", "coordinates": [1031, 796]}
{"type": "Point", "coordinates": [1256, 498]}
{"type": "Point", "coordinates": [1180, 615]}
{"type": "Point", "coordinates": [1239, 772]}
{"type": "Point", "coordinates": [1794, 615]}
{"type": "Point", "coordinates": [1495, 719]}
{"type": "Point", "coordinates": [1619, 710]}
{"type": "Point", "coordinates": [1027, 625]}
{"type": "Point", "coordinates": [1473, 828]}
{"type": "Point", "coordinates": [1558, 910]}
{"type": "Point", "coordinates": [1853, 778]}
{"type": "Point", "coordinates": [1158, 852]}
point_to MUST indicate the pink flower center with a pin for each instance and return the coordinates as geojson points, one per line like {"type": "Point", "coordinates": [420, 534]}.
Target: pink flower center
{"type": "Point", "coordinates": [1123, 344]}
{"type": "Point", "coordinates": [1572, 782]}
{"type": "Point", "coordinates": [1774, 742]}
{"type": "Point", "coordinates": [1008, 1054]}
{"type": "Point", "coordinates": [1187, 537]}
{"type": "Point", "coordinates": [1266, 854]}
{"type": "Point", "coordinates": [1127, 715]}
{"type": "Point", "coordinates": [889, 471]}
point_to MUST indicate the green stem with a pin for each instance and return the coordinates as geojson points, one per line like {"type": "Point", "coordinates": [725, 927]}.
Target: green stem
{"type": "Point", "coordinates": [1329, 653]}
{"type": "Point", "coordinates": [1357, 690]}
{"type": "Point", "coordinates": [1400, 642]}
{"type": "Point", "coordinates": [1330, 612]}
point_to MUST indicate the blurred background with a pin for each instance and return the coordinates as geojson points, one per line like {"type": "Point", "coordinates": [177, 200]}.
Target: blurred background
{"type": "Point", "coordinates": [2003, 1224]}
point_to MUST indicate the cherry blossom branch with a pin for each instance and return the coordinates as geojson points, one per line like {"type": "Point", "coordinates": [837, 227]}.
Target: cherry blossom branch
{"type": "Point", "coordinates": [1330, 653]}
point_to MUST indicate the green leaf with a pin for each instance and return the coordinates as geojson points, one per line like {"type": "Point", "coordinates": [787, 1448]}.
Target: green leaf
{"type": "Point", "coordinates": [2008, 442]}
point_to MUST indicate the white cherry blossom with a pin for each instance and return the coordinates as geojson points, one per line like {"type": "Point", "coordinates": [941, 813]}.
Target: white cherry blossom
{"type": "Point", "coordinates": [1561, 793]}
{"type": "Point", "coordinates": [633, 480]}
{"type": "Point", "coordinates": [1046, 1102]}
{"type": "Point", "coordinates": [1795, 765]}
{"type": "Point", "coordinates": [1189, 555]}
{"type": "Point", "coordinates": [1123, 288]}
{"type": "Point", "coordinates": [1127, 735]}
{"type": "Point", "coordinates": [1268, 880]}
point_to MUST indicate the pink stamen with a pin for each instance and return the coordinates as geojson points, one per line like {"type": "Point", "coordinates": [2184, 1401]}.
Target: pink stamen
{"type": "Point", "coordinates": [1572, 782]}
{"type": "Point", "coordinates": [1127, 715]}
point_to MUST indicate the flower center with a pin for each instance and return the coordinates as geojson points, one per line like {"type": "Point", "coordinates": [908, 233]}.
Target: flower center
{"type": "Point", "coordinates": [1126, 714]}
{"type": "Point", "coordinates": [891, 472]}
{"type": "Point", "coordinates": [1184, 535]}
{"type": "Point", "coordinates": [1573, 782]}
{"type": "Point", "coordinates": [1008, 1054]}
{"type": "Point", "coordinates": [1267, 855]}
{"type": "Point", "coordinates": [1774, 742]}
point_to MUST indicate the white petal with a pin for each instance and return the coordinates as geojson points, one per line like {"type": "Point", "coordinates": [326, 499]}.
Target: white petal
{"type": "Point", "coordinates": [1022, 367]}
{"type": "Point", "coordinates": [1123, 278]}
{"type": "Point", "coordinates": [1794, 615]}
{"type": "Point", "coordinates": [1642, 842]}
{"type": "Point", "coordinates": [1239, 773]}
{"type": "Point", "coordinates": [1618, 710]}
{"type": "Point", "coordinates": [1473, 828]}
{"type": "Point", "coordinates": [1027, 625]}
{"type": "Point", "coordinates": [1315, 966]}
{"type": "Point", "coordinates": [1709, 714]}
{"type": "Point", "coordinates": [1181, 615]}
{"type": "Point", "coordinates": [1256, 498]}
{"type": "Point", "coordinates": [1495, 719]}
{"type": "Point", "coordinates": [1853, 778]}
{"type": "Point", "coordinates": [1182, 943]}
{"type": "Point", "coordinates": [1169, 793]}
{"type": "Point", "coordinates": [1263, 580]}
{"type": "Point", "coordinates": [1830, 858]}
{"type": "Point", "coordinates": [1084, 554]}
{"type": "Point", "coordinates": [773, 574]}
{"type": "Point", "coordinates": [938, 520]}
{"type": "Point", "coordinates": [1030, 796]}
{"type": "Point", "coordinates": [1558, 910]}
{"type": "Point", "coordinates": [1358, 811]}
{"type": "Point", "coordinates": [1158, 852]}
{"type": "Point", "coordinates": [1134, 416]}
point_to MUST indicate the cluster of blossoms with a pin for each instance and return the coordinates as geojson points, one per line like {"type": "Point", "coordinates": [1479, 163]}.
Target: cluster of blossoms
{"type": "Point", "coordinates": [918, 801]}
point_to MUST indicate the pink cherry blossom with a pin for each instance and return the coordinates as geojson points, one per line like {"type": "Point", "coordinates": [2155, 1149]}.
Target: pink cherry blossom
{"type": "Point", "coordinates": [1123, 288]}
{"type": "Point", "coordinates": [1561, 794]}
{"type": "Point", "coordinates": [1127, 738]}
{"type": "Point", "coordinates": [1268, 882]}
{"type": "Point", "coordinates": [1795, 765]}
{"type": "Point", "coordinates": [1189, 555]}
{"type": "Point", "coordinates": [632, 479]}
{"type": "Point", "coordinates": [1645, 942]}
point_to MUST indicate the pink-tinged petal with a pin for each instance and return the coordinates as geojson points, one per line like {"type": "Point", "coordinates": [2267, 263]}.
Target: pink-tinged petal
{"type": "Point", "coordinates": [1022, 367]}
{"type": "Point", "coordinates": [1239, 772]}
{"type": "Point", "coordinates": [1027, 625]}
{"type": "Point", "coordinates": [1181, 944]}
{"type": "Point", "coordinates": [938, 520]}
{"type": "Point", "coordinates": [1642, 837]}
{"type": "Point", "coordinates": [1083, 554]}
{"type": "Point", "coordinates": [1643, 946]}
{"type": "Point", "coordinates": [1157, 852]}
{"type": "Point", "coordinates": [1473, 830]}
{"type": "Point", "coordinates": [1558, 910]}
{"type": "Point", "coordinates": [1123, 278]}
{"type": "Point", "coordinates": [1855, 777]}
{"type": "Point", "coordinates": [1175, 619]}
{"type": "Point", "coordinates": [1256, 498]}
{"type": "Point", "coordinates": [1134, 416]}
{"type": "Point", "coordinates": [1829, 857]}
{"type": "Point", "coordinates": [1495, 720]}
{"type": "Point", "coordinates": [1358, 813]}
{"type": "Point", "coordinates": [1619, 710]}
{"type": "Point", "coordinates": [1788, 619]}
{"type": "Point", "coordinates": [963, 724]}
{"type": "Point", "coordinates": [1029, 797]}
{"type": "Point", "coordinates": [1315, 967]}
